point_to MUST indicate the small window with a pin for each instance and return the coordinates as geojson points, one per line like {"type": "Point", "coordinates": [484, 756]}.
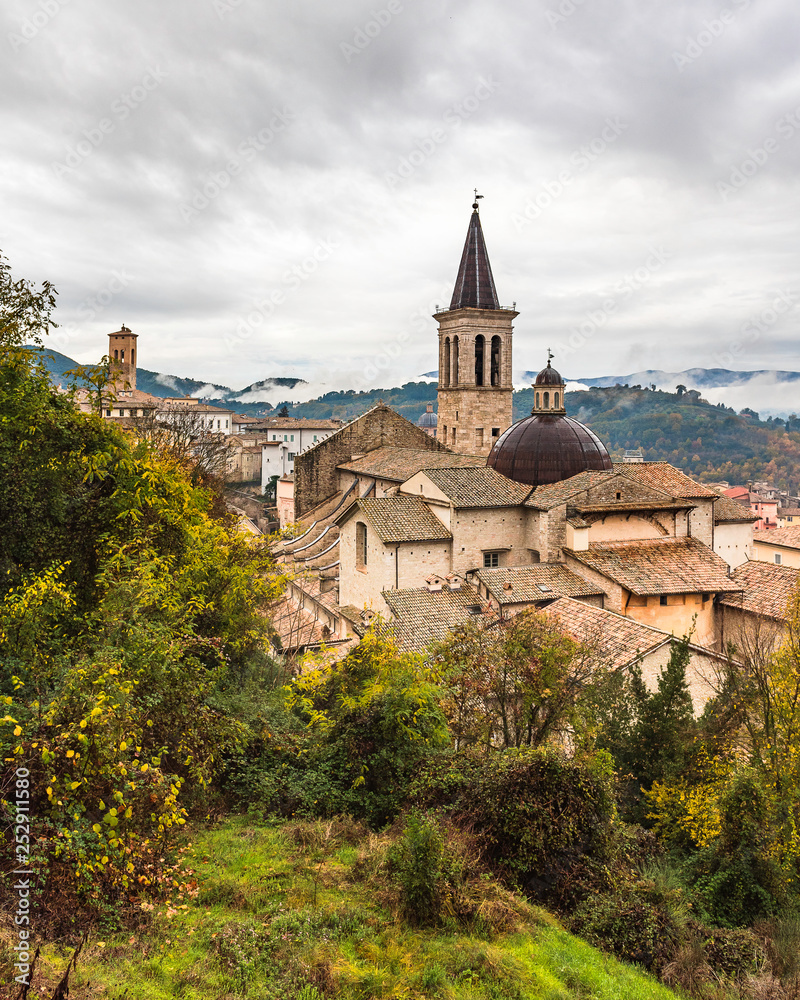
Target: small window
{"type": "Point", "coordinates": [108, 413]}
{"type": "Point", "coordinates": [778, 558]}
{"type": "Point", "coordinates": [361, 545]}
{"type": "Point", "coordinates": [663, 600]}
{"type": "Point", "coordinates": [619, 496]}
{"type": "Point", "coordinates": [292, 438]}
{"type": "Point", "coordinates": [291, 456]}
{"type": "Point", "coordinates": [495, 432]}
{"type": "Point", "coordinates": [491, 560]}
{"type": "Point", "coordinates": [478, 437]}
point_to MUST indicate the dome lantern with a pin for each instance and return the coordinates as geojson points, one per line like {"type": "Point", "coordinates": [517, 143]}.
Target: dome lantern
{"type": "Point", "coordinates": [548, 446]}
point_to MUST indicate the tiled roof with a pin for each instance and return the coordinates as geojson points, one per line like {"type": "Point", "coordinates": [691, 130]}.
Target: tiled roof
{"type": "Point", "coordinates": [423, 616]}
{"type": "Point", "coordinates": [400, 464]}
{"type": "Point", "coordinates": [616, 639]}
{"type": "Point", "coordinates": [767, 588]}
{"type": "Point", "coordinates": [300, 423]}
{"type": "Point", "coordinates": [789, 511]}
{"type": "Point", "coordinates": [665, 477]}
{"type": "Point", "coordinates": [787, 538]}
{"type": "Point", "coordinates": [659, 566]}
{"type": "Point", "coordinates": [527, 582]}
{"type": "Point", "coordinates": [477, 487]}
{"type": "Point", "coordinates": [726, 509]}
{"type": "Point", "coordinates": [553, 494]}
{"type": "Point", "coordinates": [297, 627]}
{"type": "Point", "coordinates": [400, 519]}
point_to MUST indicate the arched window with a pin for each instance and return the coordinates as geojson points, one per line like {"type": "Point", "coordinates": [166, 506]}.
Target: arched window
{"type": "Point", "coordinates": [480, 344]}
{"type": "Point", "coordinates": [555, 400]}
{"type": "Point", "coordinates": [495, 365]}
{"type": "Point", "coordinates": [116, 355]}
{"type": "Point", "coordinates": [133, 355]}
{"type": "Point", "coordinates": [361, 545]}
{"type": "Point", "coordinates": [122, 354]}
{"type": "Point", "coordinates": [538, 401]}
{"type": "Point", "coordinates": [455, 361]}
{"type": "Point", "coordinates": [547, 400]}
{"type": "Point", "coordinates": [445, 380]}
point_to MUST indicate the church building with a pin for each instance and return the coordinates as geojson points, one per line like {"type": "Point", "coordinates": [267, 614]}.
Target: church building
{"type": "Point", "coordinates": [493, 516]}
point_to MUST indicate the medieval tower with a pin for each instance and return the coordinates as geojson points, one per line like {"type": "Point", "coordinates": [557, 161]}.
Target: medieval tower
{"type": "Point", "coordinates": [122, 354]}
{"type": "Point", "coordinates": [475, 388]}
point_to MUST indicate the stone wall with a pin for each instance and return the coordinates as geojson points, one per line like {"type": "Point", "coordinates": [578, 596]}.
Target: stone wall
{"type": "Point", "coordinates": [489, 529]}
{"type": "Point", "coordinates": [315, 475]}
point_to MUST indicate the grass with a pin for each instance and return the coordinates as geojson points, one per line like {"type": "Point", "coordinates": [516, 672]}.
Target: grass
{"type": "Point", "coordinates": [302, 910]}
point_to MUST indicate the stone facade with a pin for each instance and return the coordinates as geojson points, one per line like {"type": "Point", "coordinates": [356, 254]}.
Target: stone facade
{"type": "Point", "coordinates": [315, 470]}
{"type": "Point", "coordinates": [475, 383]}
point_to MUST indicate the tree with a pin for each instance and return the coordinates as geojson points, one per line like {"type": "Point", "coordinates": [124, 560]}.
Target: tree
{"type": "Point", "coordinates": [514, 685]}
{"type": "Point", "coordinates": [680, 389]}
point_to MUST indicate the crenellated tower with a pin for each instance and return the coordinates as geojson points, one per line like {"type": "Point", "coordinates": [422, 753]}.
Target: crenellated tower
{"type": "Point", "coordinates": [475, 387]}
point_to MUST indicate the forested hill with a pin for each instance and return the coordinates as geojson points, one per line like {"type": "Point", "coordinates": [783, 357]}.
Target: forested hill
{"type": "Point", "coordinates": [707, 441]}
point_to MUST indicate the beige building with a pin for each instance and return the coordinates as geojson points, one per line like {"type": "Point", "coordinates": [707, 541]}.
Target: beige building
{"type": "Point", "coordinates": [780, 546]}
{"type": "Point", "coordinates": [753, 621]}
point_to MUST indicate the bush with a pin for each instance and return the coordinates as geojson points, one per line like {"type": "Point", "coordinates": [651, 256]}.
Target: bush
{"type": "Point", "coordinates": [542, 820]}
{"type": "Point", "coordinates": [420, 869]}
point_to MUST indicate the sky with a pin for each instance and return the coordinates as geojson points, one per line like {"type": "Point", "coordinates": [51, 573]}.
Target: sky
{"type": "Point", "coordinates": [273, 189]}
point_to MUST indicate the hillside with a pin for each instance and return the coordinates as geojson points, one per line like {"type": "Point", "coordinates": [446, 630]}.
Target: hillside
{"type": "Point", "coordinates": [297, 910]}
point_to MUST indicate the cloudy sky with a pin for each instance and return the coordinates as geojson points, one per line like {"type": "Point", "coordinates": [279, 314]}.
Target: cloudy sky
{"type": "Point", "coordinates": [263, 189]}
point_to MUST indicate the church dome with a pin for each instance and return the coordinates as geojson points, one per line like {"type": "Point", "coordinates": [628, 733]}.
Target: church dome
{"type": "Point", "coordinates": [547, 448]}
{"type": "Point", "coordinates": [548, 376]}
{"type": "Point", "coordinates": [428, 418]}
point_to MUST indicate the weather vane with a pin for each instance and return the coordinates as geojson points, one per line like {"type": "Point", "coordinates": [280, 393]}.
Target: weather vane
{"type": "Point", "coordinates": [550, 356]}
{"type": "Point", "coordinates": [477, 196]}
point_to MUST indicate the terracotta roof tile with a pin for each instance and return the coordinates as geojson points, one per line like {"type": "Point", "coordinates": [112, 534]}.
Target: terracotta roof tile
{"type": "Point", "coordinates": [659, 566]}
{"type": "Point", "coordinates": [527, 583]}
{"type": "Point", "coordinates": [767, 588]}
{"type": "Point", "coordinates": [477, 487]}
{"type": "Point", "coordinates": [297, 627]}
{"type": "Point", "coordinates": [787, 538]}
{"type": "Point", "coordinates": [553, 494]}
{"type": "Point", "coordinates": [665, 477]}
{"type": "Point", "coordinates": [726, 509]}
{"type": "Point", "coordinates": [422, 616]}
{"type": "Point", "coordinates": [618, 640]}
{"type": "Point", "coordinates": [400, 464]}
{"type": "Point", "coordinates": [400, 519]}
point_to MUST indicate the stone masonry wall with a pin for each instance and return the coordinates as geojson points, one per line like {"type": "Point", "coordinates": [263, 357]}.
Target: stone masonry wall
{"type": "Point", "coordinates": [315, 476]}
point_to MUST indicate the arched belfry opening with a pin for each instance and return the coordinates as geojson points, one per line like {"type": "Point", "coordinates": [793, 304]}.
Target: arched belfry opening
{"type": "Point", "coordinates": [480, 347]}
{"type": "Point", "coordinates": [475, 333]}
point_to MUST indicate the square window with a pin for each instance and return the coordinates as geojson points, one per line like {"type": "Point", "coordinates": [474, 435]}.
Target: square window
{"type": "Point", "coordinates": [495, 432]}
{"type": "Point", "coordinates": [491, 560]}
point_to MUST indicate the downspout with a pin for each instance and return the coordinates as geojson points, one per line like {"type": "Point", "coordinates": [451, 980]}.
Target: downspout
{"type": "Point", "coordinates": [396, 567]}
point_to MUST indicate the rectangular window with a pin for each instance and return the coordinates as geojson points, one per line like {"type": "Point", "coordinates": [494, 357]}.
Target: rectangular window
{"type": "Point", "coordinates": [491, 560]}
{"type": "Point", "coordinates": [478, 437]}
{"type": "Point", "coordinates": [778, 558]}
{"type": "Point", "coordinates": [108, 413]}
{"type": "Point", "coordinates": [292, 438]}
{"type": "Point", "coordinates": [291, 456]}
{"type": "Point", "coordinates": [495, 432]}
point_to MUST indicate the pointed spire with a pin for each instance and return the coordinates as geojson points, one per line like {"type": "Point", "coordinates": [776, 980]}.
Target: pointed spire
{"type": "Point", "coordinates": [475, 284]}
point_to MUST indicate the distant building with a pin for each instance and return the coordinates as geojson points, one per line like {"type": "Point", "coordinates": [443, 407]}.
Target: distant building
{"type": "Point", "coordinates": [780, 546]}
{"type": "Point", "coordinates": [428, 421]}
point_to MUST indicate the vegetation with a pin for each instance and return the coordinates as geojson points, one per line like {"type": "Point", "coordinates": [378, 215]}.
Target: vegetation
{"type": "Point", "coordinates": [377, 826]}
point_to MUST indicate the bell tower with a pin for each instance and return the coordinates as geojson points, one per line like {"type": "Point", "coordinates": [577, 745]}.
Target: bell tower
{"type": "Point", "coordinates": [122, 352]}
{"type": "Point", "coordinates": [475, 388]}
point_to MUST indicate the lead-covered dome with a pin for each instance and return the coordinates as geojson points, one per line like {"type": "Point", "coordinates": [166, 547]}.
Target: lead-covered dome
{"type": "Point", "coordinates": [548, 376]}
{"type": "Point", "coordinates": [547, 448]}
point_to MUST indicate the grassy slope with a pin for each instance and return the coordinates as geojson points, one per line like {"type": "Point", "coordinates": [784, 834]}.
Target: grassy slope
{"type": "Point", "coordinates": [275, 913]}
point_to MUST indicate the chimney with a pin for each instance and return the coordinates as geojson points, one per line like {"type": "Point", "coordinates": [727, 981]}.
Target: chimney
{"type": "Point", "coordinates": [433, 583]}
{"type": "Point", "coordinates": [454, 581]}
